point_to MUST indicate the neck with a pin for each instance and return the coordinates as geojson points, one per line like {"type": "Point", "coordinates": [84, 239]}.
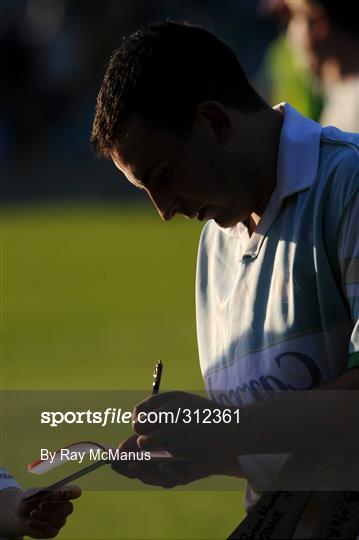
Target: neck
{"type": "Point", "coordinates": [267, 141]}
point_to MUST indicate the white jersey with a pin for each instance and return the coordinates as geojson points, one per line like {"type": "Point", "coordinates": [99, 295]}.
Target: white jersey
{"type": "Point", "coordinates": [278, 311]}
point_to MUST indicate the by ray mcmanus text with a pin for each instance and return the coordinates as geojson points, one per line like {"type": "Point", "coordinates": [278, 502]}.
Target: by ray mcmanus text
{"type": "Point", "coordinates": [112, 454]}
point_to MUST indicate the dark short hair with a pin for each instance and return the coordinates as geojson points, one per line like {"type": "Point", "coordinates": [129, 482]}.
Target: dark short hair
{"type": "Point", "coordinates": [161, 73]}
{"type": "Point", "coordinates": [342, 14]}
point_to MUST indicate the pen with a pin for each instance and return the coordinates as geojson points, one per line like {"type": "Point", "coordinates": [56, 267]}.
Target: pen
{"type": "Point", "coordinates": [157, 373]}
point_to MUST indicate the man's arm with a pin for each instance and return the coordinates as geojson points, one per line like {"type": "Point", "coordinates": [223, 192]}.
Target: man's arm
{"type": "Point", "coordinates": [298, 421]}
{"type": "Point", "coordinates": [321, 418]}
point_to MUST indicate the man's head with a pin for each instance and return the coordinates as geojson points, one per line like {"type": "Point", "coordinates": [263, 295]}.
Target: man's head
{"type": "Point", "coordinates": [173, 113]}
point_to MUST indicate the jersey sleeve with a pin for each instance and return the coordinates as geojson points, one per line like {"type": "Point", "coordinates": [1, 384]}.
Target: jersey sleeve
{"type": "Point", "coordinates": [348, 253]}
{"type": "Point", "coordinates": [7, 480]}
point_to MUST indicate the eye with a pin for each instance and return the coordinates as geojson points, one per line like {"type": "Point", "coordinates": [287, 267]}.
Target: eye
{"type": "Point", "coordinates": [159, 179]}
{"type": "Point", "coordinates": [164, 176]}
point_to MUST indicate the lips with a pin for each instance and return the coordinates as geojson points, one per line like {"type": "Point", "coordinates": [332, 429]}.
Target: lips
{"type": "Point", "coordinates": [200, 213]}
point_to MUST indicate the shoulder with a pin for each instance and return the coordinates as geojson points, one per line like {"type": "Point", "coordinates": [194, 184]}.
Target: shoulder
{"type": "Point", "coordinates": [336, 185]}
{"type": "Point", "coordinates": [338, 171]}
{"type": "Point", "coordinates": [339, 152]}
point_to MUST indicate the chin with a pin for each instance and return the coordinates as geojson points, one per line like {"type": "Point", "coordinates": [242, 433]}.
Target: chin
{"type": "Point", "coordinates": [226, 223]}
{"type": "Point", "coordinates": [229, 220]}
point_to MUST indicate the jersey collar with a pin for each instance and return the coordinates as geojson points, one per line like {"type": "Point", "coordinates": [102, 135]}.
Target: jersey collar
{"type": "Point", "coordinates": [298, 158]}
{"type": "Point", "coordinates": [298, 154]}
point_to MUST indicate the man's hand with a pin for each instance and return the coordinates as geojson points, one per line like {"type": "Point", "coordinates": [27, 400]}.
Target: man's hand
{"type": "Point", "coordinates": [45, 515]}
{"type": "Point", "coordinates": [187, 425]}
{"type": "Point", "coordinates": [169, 474]}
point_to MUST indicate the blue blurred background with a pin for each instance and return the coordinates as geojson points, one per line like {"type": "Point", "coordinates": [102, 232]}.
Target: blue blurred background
{"type": "Point", "coordinates": [53, 54]}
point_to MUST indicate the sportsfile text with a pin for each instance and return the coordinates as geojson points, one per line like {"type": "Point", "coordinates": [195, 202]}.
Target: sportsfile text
{"type": "Point", "coordinates": [117, 416]}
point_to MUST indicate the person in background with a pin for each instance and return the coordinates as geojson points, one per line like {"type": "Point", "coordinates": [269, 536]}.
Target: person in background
{"type": "Point", "coordinates": [326, 33]}
{"type": "Point", "coordinates": [283, 72]}
{"type": "Point", "coordinates": [40, 517]}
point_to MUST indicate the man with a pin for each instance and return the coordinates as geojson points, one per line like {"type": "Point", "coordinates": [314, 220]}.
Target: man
{"type": "Point", "coordinates": [326, 33]}
{"type": "Point", "coordinates": [278, 258]}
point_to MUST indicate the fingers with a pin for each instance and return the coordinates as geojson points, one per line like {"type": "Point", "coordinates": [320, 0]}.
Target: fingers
{"type": "Point", "coordinates": [43, 524]}
{"type": "Point", "coordinates": [63, 508]}
{"type": "Point", "coordinates": [67, 493]}
{"type": "Point", "coordinates": [37, 529]}
{"type": "Point", "coordinates": [49, 512]}
{"type": "Point", "coordinates": [163, 438]}
{"type": "Point", "coordinates": [153, 404]}
{"type": "Point", "coordinates": [167, 475]}
{"type": "Point", "coordinates": [178, 474]}
{"type": "Point", "coordinates": [155, 401]}
{"type": "Point", "coordinates": [51, 520]}
{"type": "Point", "coordinates": [121, 467]}
{"type": "Point", "coordinates": [129, 444]}
{"type": "Point", "coordinates": [156, 440]}
{"type": "Point", "coordinates": [164, 422]}
{"type": "Point", "coordinates": [147, 473]}
{"type": "Point", "coordinates": [148, 421]}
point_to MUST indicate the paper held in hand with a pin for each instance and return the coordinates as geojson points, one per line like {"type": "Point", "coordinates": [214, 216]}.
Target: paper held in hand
{"type": "Point", "coordinates": [103, 455]}
{"type": "Point", "coordinates": [95, 451]}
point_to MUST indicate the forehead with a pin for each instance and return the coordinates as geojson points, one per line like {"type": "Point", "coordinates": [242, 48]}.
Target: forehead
{"type": "Point", "coordinates": [140, 148]}
{"type": "Point", "coordinates": [140, 144]}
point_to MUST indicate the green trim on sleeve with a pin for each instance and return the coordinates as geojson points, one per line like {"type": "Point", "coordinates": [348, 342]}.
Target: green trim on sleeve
{"type": "Point", "coordinates": [353, 360]}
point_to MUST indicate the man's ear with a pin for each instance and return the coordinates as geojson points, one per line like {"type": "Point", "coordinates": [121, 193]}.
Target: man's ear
{"type": "Point", "coordinates": [218, 118]}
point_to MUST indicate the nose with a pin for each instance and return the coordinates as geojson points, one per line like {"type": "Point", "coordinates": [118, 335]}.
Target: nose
{"type": "Point", "coordinates": [165, 205]}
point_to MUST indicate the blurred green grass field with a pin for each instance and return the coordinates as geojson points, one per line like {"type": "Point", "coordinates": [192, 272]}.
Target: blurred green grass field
{"type": "Point", "coordinates": [91, 297]}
